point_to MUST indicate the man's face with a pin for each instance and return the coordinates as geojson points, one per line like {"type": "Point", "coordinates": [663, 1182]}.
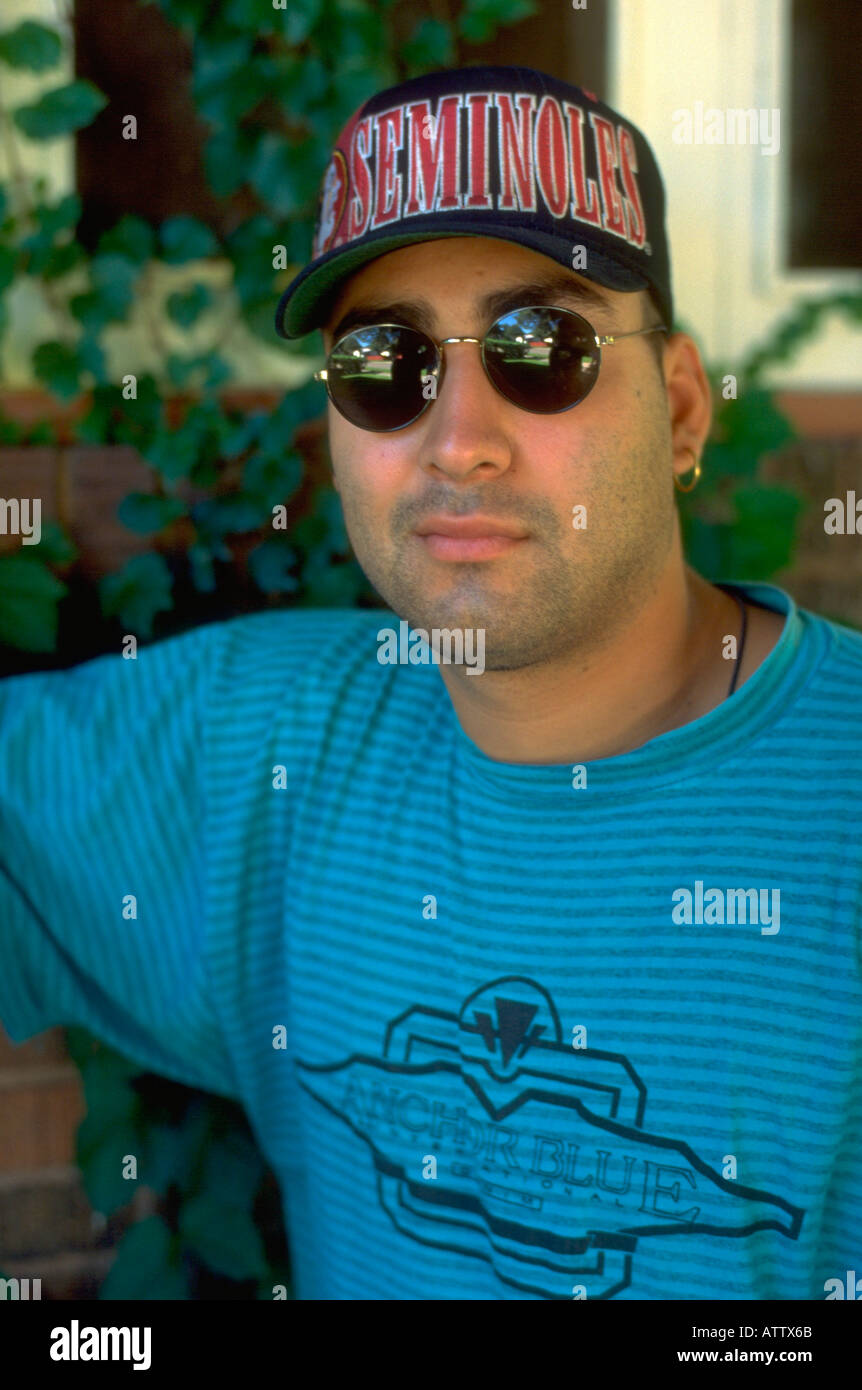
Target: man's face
{"type": "Point", "coordinates": [473, 453]}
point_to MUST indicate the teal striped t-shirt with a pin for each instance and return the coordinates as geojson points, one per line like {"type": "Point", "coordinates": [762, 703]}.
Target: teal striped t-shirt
{"type": "Point", "coordinates": [502, 1032]}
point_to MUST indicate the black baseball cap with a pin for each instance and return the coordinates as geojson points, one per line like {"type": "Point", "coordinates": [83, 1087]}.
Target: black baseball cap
{"type": "Point", "coordinates": [505, 152]}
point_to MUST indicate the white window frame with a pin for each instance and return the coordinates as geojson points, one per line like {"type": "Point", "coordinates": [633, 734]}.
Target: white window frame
{"type": "Point", "coordinates": [727, 206]}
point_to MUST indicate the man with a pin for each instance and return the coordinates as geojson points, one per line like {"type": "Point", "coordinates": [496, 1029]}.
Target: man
{"type": "Point", "coordinates": [523, 920]}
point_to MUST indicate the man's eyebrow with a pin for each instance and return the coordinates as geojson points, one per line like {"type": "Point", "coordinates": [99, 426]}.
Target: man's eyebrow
{"type": "Point", "coordinates": [551, 289]}
{"type": "Point", "coordinates": [415, 313]}
{"type": "Point", "coordinates": [419, 313]}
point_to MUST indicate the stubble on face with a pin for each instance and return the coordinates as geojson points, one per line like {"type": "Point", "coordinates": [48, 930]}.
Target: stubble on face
{"type": "Point", "coordinates": [563, 592]}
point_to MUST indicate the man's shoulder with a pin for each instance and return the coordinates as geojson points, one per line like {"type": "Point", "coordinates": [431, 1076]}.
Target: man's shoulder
{"type": "Point", "coordinates": [279, 636]}
{"type": "Point", "coordinates": [832, 646]}
{"type": "Point", "coordinates": [301, 631]}
{"type": "Point", "coordinates": [831, 694]}
{"type": "Point", "coordinates": [280, 648]}
{"type": "Point", "coordinates": [842, 645]}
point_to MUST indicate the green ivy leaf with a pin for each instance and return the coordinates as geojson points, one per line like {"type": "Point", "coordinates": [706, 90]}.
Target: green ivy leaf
{"type": "Point", "coordinates": [62, 216]}
{"type": "Point", "coordinates": [481, 19]}
{"type": "Point", "coordinates": [299, 84]}
{"type": "Point", "coordinates": [140, 590]}
{"type": "Point", "coordinates": [31, 46]}
{"type": "Point", "coordinates": [270, 564]}
{"type": "Point", "coordinates": [764, 536]}
{"type": "Point", "coordinates": [224, 516]}
{"type": "Point", "coordinates": [132, 238]}
{"type": "Point", "coordinates": [201, 563]}
{"type": "Point", "coordinates": [173, 1152]}
{"type": "Point", "coordinates": [146, 1265]}
{"type": "Point", "coordinates": [29, 595]}
{"type": "Point", "coordinates": [11, 433]}
{"type": "Point", "coordinates": [203, 370]}
{"type": "Point", "coordinates": [134, 422]}
{"type": "Point", "coordinates": [299, 18]}
{"type": "Point", "coordinates": [273, 477]}
{"type": "Point", "coordinates": [356, 84]}
{"type": "Point", "coordinates": [303, 403]}
{"type": "Point", "coordinates": [144, 513]}
{"type": "Point", "coordinates": [115, 278]}
{"type": "Point", "coordinates": [101, 1155]}
{"type": "Point", "coordinates": [233, 1170]}
{"type": "Point", "coordinates": [225, 84]}
{"type": "Point", "coordinates": [186, 307]}
{"type": "Point", "coordinates": [91, 357]}
{"type": "Point", "coordinates": [356, 34]}
{"type": "Point", "coordinates": [755, 420]}
{"type": "Point", "coordinates": [165, 1155]}
{"type": "Point", "coordinates": [431, 45]}
{"type": "Point", "coordinates": [242, 433]}
{"type": "Point", "coordinates": [224, 1237]}
{"type": "Point", "coordinates": [57, 366]}
{"type": "Point", "coordinates": [8, 266]}
{"type": "Point", "coordinates": [723, 460]}
{"type": "Point", "coordinates": [706, 545]}
{"type": "Point", "coordinates": [226, 154]}
{"type": "Point", "coordinates": [287, 176]}
{"type": "Point", "coordinates": [63, 258]}
{"type": "Point", "coordinates": [61, 112]}
{"type": "Point", "coordinates": [332, 586]}
{"type": "Point", "coordinates": [184, 239]}
{"type": "Point", "coordinates": [55, 547]}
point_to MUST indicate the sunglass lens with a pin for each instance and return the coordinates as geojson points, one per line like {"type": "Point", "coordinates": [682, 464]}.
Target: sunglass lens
{"type": "Point", "coordinates": [543, 360]}
{"type": "Point", "coordinates": [375, 376]}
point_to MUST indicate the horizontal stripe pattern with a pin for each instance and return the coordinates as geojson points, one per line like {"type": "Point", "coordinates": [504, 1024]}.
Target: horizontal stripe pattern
{"type": "Point", "coordinates": [401, 955]}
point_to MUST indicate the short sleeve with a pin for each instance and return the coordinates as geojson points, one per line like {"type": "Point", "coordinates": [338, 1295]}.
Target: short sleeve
{"type": "Point", "coordinates": [102, 856]}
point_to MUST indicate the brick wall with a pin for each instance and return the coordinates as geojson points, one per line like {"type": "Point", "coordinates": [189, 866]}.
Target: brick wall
{"type": "Point", "coordinates": [826, 575]}
{"type": "Point", "coordinates": [48, 1230]}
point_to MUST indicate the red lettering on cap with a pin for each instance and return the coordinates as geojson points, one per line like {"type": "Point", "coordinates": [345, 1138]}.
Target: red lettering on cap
{"type": "Point", "coordinates": [515, 151]}
{"type": "Point", "coordinates": [635, 221]}
{"type": "Point", "coordinates": [585, 202]}
{"type": "Point", "coordinates": [552, 169]}
{"type": "Point", "coordinates": [479, 189]}
{"type": "Point", "coordinates": [388, 127]}
{"type": "Point", "coordinates": [360, 179]}
{"type": "Point", "coordinates": [608, 159]}
{"type": "Point", "coordinates": [433, 157]}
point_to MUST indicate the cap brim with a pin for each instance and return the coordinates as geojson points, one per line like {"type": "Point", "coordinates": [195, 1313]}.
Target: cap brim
{"type": "Point", "coordinates": [306, 303]}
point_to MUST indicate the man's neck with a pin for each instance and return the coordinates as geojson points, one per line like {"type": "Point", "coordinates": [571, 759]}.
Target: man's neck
{"type": "Point", "coordinates": [664, 669]}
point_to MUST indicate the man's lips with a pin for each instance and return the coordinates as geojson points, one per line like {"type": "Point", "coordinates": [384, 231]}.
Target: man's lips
{"type": "Point", "coordinates": [468, 537]}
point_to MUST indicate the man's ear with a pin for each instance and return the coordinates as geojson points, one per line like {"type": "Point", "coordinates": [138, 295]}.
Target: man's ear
{"type": "Point", "coordinates": [689, 400]}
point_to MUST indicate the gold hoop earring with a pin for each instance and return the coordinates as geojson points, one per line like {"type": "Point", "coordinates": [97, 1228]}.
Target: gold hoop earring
{"type": "Point", "coordinates": [697, 472]}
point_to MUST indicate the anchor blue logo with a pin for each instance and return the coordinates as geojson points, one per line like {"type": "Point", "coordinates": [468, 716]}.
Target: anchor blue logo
{"type": "Point", "coordinates": [544, 1167]}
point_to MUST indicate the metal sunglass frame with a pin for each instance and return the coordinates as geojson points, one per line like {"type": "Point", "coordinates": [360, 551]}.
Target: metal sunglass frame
{"type": "Point", "coordinates": [605, 340]}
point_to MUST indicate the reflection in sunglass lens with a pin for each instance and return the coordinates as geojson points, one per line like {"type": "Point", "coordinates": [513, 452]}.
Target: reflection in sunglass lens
{"type": "Point", "coordinates": [375, 375]}
{"type": "Point", "coordinates": [544, 360]}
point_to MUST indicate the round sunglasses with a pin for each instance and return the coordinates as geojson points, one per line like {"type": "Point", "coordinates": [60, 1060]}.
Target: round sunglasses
{"type": "Point", "coordinates": [544, 360]}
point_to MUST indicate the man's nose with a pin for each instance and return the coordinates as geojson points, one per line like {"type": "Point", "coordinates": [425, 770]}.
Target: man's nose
{"type": "Point", "coordinates": [466, 422]}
